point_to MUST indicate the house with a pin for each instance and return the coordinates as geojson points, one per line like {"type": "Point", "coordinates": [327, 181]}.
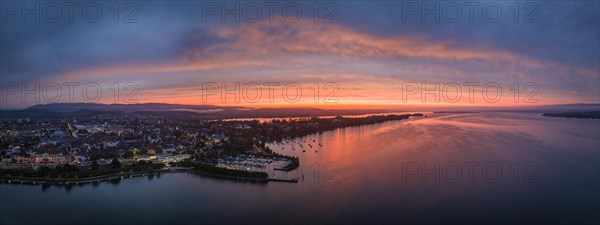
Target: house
{"type": "Point", "coordinates": [173, 158]}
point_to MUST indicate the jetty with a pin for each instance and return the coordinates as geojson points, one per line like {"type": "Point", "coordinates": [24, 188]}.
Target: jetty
{"type": "Point", "coordinates": [290, 180]}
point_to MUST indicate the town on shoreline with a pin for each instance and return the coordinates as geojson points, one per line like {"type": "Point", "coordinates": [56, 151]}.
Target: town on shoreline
{"type": "Point", "coordinates": [106, 146]}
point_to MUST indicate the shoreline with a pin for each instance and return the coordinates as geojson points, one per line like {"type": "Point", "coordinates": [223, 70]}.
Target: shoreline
{"type": "Point", "coordinates": [68, 181]}
{"type": "Point", "coordinates": [113, 177]}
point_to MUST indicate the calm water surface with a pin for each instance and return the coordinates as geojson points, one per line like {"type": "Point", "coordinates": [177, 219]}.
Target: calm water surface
{"type": "Point", "coordinates": [460, 168]}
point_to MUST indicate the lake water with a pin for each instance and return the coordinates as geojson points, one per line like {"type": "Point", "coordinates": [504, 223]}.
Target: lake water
{"type": "Point", "coordinates": [446, 168]}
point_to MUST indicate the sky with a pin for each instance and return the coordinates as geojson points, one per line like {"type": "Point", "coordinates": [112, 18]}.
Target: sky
{"type": "Point", "coordinates": [344, 54]}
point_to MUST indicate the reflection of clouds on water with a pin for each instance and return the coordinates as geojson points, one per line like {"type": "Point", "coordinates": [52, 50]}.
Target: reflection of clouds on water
{"type": "Point", "coordinates": [509, 137]}
{"type": "Point", "coordinates": [503, 138]}
{"type": "Point", "coordinates": [560, 155]}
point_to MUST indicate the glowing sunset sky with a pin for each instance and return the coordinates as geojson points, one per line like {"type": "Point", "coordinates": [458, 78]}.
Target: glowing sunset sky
{"type": "Point", "coordinates": [368, 53]}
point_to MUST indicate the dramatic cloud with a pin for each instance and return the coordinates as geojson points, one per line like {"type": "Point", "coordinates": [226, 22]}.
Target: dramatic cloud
{"type": "Point", "coordinates": [170, 52]}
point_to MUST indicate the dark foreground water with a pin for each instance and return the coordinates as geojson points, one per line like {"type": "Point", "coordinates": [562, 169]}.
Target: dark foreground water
{"type": "Point", "coordinates": [463, 168]}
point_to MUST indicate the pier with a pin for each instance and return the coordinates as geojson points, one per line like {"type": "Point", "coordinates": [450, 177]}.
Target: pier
{"type": "Point", "coordinates": [291, 180]}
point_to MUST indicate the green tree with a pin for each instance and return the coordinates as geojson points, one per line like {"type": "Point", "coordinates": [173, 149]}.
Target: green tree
{"type": "Point", "coordinates": [95, 165]}
{"type": "Point", "coordinates": [128, 154]}
{"type": "Point", "coordinates": [115, 163]}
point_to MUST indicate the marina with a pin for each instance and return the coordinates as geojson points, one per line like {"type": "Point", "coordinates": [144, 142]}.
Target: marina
{"type": "Point", "coordinates": [255, 163]}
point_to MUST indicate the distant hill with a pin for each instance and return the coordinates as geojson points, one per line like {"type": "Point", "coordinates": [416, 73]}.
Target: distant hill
{"type": "Point", "coordinates": [57, 110]}
{"type": "Point", "coordinates": [568, 107]}
{"type": "Point", "coordinates": [29, 113]}
{"type": "Point", "coordinates": [579, 115]}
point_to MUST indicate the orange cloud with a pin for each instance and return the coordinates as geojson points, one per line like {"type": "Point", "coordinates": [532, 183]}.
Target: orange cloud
{"type": "Point", "coordinates": [262, 44]}
{"type": "Point", "coordinates": [267, 46]}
